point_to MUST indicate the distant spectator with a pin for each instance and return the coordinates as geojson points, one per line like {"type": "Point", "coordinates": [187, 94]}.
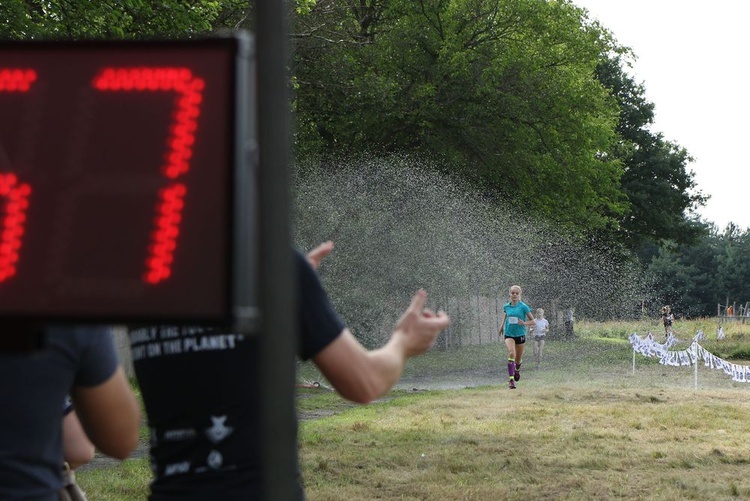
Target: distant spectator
{"type": "Point", "coordinates": [568, 321]}
{"type": "Point", "coordinates": [667, 317]}
{"type": "Point", "coordinates": [730, 311]}
{"type": "Point", "coordinates": [720, 333]}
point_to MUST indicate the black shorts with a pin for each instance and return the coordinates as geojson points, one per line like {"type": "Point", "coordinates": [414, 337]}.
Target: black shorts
{"type": "Point", "coordinates": [518, 340]}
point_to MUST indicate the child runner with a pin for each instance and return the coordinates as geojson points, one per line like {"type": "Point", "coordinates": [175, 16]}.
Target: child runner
{"type": "Point", "coordinates": [541, 327]}
{"type": "Point", "coordinates": [513, 331]}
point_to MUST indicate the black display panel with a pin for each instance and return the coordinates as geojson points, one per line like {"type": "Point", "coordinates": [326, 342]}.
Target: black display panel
{"type": "Point", "coordinates": [119, 172]}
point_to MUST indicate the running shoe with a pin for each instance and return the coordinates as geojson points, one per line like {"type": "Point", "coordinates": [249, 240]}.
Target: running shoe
{"type": "Point", "coordinates": [517, 374]}
{"type": "Point", "coordinates": [511, 385]}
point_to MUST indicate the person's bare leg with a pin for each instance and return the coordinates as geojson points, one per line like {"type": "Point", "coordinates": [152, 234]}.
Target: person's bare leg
{"type": "Point", "coordinates": [541, 351]}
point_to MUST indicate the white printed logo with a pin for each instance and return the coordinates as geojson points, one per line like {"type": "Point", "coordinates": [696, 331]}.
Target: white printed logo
{"type": "Point", "coordinates": [215, 460]}
{"type": "Point", "coordinates": [218, 431]}
{"type": "Point", "coordinates": [175, 468]}
{"type": "Point", "coordinates": [181, 434]}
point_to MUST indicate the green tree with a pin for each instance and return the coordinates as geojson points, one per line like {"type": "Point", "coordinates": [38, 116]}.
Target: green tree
{"type": "Point", "coordinates": [79, 19]}
{"type": "Point", "coordinates": [502, 91]}
{"type": "Point", "coordinates": [696, 277]}
{"type": "Point", "coordinates": [685, 278]}
{"type": "Point", "coordinates": [659, 187]}
{"type": "Point", "coordinates": [733, 266]}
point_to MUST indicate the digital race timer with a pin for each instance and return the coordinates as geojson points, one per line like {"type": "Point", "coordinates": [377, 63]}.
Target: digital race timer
{"type": "Point", "coordinates": [127, 181]}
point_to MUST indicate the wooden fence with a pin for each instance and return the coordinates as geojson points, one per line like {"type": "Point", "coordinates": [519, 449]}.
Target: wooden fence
{"type": "Point", "coordinates": [734, 312]}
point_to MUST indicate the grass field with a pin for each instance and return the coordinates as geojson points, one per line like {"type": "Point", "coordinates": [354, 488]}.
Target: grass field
{"type": "Point", "coordinates": [583, 426]}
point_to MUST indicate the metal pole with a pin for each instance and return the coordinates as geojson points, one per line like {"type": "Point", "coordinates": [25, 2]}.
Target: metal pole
{"type": "Point", "coordinates": [278, 333]}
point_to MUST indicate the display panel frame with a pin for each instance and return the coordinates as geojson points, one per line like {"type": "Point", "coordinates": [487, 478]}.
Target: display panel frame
{"type": "Point", "coordinates": [213, 274]}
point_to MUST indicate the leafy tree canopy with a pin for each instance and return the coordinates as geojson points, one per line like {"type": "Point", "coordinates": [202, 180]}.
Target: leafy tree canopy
{"type": "Point", "coordinates": [696, 278]}
{"type": "Point", "coordinates": [503, 91]}
{"type": "Point", "coordinates": [660, 188]}
{"type": "Point", "coordinates": [77, 19]}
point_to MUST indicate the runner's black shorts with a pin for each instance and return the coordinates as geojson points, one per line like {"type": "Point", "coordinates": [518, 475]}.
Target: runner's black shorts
{"type": "Point", "coordinates": [518, 340]}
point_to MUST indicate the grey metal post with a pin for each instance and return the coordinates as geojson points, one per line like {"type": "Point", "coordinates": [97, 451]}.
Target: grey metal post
{"type": "Point", "coordinates": [278, 336]}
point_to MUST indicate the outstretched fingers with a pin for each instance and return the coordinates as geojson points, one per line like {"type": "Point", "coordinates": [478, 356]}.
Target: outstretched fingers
{"type": "Point", "coordinates": [418, 328]}
{"type": "Point", "coordinates": [440, 319]}
{"type": "Point", "coordinates": [315, 256]}
{"type": "Point", "coordinates": [418, 301]}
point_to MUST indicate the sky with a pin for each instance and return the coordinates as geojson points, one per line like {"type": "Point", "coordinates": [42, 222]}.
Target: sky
{"type": "Point", "coordinates": [693, 60]}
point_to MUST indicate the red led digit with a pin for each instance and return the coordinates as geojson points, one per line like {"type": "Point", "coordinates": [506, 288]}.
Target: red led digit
{"type": "Point", "coordinates": [16, 79]}
{"type": "Point", "coordinates": [171, 198]}
{"type": "Point", "coordinates": [17, 202]}
{"type": "Point", "coordinates": [14, 193]}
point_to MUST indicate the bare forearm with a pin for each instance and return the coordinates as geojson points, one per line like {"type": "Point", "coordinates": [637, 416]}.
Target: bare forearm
{"type": "Point", "coordinates": [386, 365]}
{"type": "Point", "coordinates": [110, 415]}
{"type": "Point", "coordinates": [362, 376]}
{"type": "Point", "coordinates": [77, 448]}
{"type": "Point", "coordinates": [359, 375]}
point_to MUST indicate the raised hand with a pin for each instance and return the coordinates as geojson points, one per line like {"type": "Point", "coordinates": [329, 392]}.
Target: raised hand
{"type": "Point", "coordinates": [316, 255]}
{"type": "Point", "coordinates": [418, 327]}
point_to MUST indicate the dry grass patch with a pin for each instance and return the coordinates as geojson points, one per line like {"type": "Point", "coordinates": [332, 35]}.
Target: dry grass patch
{"type": "Point", "coordinates": [533, 443]}
{"type": "Point", "coordinates": [123, 481]}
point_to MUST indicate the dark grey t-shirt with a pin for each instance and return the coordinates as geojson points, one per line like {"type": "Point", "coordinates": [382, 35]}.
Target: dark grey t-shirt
{"type": "Point", "coordinates": [34, 387]}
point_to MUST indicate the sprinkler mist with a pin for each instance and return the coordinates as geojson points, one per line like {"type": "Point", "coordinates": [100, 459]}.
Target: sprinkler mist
{"type": "Point", "coordinates": [399, 225]}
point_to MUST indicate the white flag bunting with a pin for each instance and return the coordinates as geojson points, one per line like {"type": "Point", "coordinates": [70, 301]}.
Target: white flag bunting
{"type": "Point", "coordinates": [649, 347]}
